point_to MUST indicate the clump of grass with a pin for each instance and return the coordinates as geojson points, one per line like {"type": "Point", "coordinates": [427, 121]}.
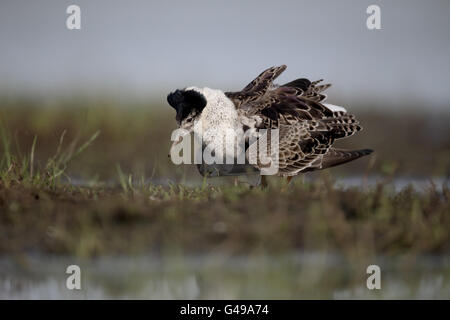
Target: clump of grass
{"type": "Point", "coordinates": [18, 168]}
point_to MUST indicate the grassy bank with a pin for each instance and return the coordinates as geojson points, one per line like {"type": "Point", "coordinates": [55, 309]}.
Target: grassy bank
{"type": "Point", "coordinates": [312, 216]}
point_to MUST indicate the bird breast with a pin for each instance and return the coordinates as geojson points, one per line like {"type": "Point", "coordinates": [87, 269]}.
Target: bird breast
{"type": "Point", "coordinates": [219, 119]}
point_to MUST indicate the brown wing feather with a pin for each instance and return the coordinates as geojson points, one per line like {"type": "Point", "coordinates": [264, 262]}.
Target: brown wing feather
{"type": "Point", "coordinates": [307, 127]}
{"type": "Point", "coordinates": [257, 88]}
{"type": "Point", "coordinates": [335, 157]}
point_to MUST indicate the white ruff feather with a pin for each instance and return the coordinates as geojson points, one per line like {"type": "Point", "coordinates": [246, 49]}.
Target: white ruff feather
{"type": "Point", "coordinates": [334, 108]}
{"type": "Point", "coordinates": [219, 119]}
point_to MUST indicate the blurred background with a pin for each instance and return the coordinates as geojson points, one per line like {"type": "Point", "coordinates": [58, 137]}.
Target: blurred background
{"type": "Point", "coordinates": [143, 49]}
{"type": "Point", "coordinates": [113, 76]}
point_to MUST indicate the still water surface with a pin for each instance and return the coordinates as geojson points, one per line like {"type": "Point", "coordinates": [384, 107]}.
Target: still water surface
{"type": "Point", "coordinates": [288, 276]}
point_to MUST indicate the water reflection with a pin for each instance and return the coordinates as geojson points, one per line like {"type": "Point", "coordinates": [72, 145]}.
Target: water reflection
{"type": "Point", "coordinates": [287, 276]}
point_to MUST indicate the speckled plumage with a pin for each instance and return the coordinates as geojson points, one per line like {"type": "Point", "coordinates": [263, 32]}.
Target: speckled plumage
{"type": "Point", "coordinates": [307, 125]}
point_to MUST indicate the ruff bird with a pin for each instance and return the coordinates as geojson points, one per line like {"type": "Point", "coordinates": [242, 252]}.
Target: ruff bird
{"type": "Point", "coordinates": [307, 126]}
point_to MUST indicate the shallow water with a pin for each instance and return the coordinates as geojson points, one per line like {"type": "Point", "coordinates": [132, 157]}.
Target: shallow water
{"type": "Point", "coordinates": [398, 183]}
{"type": "Point", "coordinates": [287, 276]}
{"type": "Point", "coordinates": [417, 183]}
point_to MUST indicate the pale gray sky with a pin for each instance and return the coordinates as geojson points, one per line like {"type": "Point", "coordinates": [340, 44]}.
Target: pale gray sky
{"type": "Point", "coordinates": [146, 48]}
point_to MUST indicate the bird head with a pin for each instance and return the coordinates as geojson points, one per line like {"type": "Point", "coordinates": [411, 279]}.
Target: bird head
{"type": "Point", "coordinates": [188, 104]}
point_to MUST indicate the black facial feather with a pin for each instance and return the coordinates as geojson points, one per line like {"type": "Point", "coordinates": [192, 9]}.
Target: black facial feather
{"type": "Point", "coordinates": [186, 101]}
